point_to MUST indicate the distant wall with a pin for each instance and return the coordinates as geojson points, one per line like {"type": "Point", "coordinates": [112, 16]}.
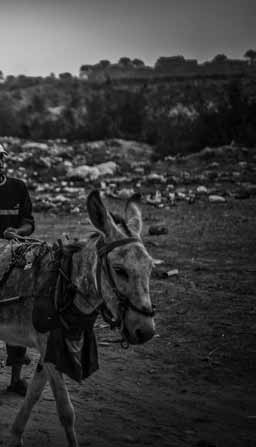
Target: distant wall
{"type": "Point", "coordinates": [166, 67]}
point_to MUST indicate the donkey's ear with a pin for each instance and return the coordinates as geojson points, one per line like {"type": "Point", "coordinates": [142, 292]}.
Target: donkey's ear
{"type": "Point", "coordinates": [133, 215]}
{"type": "Point", "coordinates": [98, 214]}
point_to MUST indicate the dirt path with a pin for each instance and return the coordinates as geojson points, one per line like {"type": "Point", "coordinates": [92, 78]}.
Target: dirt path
{"type": "Point", "coordinates": [194, 384]}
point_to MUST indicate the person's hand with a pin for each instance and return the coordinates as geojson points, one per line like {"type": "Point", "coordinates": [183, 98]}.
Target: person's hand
{"type": "Point", "coordinates": [10, 233]}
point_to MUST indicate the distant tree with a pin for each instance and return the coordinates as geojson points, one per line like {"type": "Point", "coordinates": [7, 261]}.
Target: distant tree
{"type": "Point", "coordinates": [38, 103]}
{"type": "Point", "coordinates": [17, 95]}
{"type": "Point", "coordinates": [1, 75]}
{"type": "Point", "coordinates": [220, 58]}
{"type": "Point", "coordinates": [10, 78]}
{"type": "Point", "coordinates": [9, 124]}
{"type": "Point", "coordinates": [251, 55]}
{"type": "Point", "coordinates": [138, 63]}
{"type": "Point", "coordinates": [85, 67]}
{"type": "Point", "coordinates": [85, 70]}
{"type": "Point", "coordinates": [65, 76]}
{"type": "Point", "coordinates": [104, 63]}
{"type": "Point", "coordinates": [22, 77]}
{"type": "Point", "coordinates": [50, 78]}
{"type": "Point", "coordinates": [125, 62]}
{"type": "Point", "coordinates": [24, 81]}
{"type": "Point", "coordinates": [131, 111]}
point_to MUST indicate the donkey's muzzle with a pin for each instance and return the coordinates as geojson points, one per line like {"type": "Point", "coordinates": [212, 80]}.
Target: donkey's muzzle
{"type": "Point", "coordinates": [138, 328]}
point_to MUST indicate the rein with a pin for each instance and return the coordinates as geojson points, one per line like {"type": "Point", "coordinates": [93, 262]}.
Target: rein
{"type": "Point", "coordinates": [103, 249]}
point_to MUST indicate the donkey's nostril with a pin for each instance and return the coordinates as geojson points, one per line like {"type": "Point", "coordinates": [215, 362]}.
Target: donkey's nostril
{"type": "Point", "coordinates": [144, 334]}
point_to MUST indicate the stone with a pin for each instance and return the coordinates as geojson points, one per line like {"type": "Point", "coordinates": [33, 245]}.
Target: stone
{"type": "Point", "coordinates": [125, 193]}
{"type": "Point", "coordinates": [216, 199]}
{"type": "Point", "coordinates": [201, 190]}
{"type": "Point", "coordinates": [173, 272]}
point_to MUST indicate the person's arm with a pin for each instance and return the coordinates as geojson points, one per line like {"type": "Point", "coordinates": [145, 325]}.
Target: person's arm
{"type": "Point", "coordinates": [27, 224]}
{"type": "Point", "coordinates": [24, 230]}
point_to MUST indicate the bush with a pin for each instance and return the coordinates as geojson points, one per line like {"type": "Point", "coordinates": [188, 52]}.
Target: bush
{"type": "Point", "coordinates": [143, 114]}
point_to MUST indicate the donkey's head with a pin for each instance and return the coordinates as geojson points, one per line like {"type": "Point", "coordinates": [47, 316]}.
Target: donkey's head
{"type": "Point", "coordinates": [124, 268]}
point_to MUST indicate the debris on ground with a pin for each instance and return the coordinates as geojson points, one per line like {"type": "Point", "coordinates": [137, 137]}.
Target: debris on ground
{"type": "Point", "coordinates": [59, 174]}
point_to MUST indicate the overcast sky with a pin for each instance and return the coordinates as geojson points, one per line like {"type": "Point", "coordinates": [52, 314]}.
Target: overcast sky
{"type": "Point", "coordinates": [42, 36]}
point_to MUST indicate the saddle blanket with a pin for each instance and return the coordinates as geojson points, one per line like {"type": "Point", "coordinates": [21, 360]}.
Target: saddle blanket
{"type": "Point", "coordinates": [6, 255]}
{"type": "Point", "coordinates": [16, 261]}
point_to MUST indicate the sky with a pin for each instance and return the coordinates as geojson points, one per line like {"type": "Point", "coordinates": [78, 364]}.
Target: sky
{"type": "Point", "coordinates": [38, 37]}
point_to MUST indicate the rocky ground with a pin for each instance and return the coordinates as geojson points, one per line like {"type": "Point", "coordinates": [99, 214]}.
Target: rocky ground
{"type": "Point", "coordinates": [59, 174]}
{"type": "Point", "coordinates": [194, 383]}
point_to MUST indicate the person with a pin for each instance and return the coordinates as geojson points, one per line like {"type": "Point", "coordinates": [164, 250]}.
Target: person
{"type": "Point", "coordinates": [16, 219]}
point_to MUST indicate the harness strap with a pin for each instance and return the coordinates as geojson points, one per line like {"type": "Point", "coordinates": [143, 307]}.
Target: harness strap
{"type": "Point", "coordinates": [11, 300]}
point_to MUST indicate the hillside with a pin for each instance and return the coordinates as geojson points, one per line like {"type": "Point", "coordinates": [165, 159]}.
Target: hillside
{"type": "Point", "coordinates": [174, 116]}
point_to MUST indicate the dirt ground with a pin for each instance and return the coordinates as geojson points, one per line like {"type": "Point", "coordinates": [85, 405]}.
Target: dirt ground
{"type": "Point", "coordinates": [194, 383]}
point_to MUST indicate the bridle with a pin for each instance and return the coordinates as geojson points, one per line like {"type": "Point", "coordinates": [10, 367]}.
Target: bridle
{"type": "Point", "coordinates": [103, 249]}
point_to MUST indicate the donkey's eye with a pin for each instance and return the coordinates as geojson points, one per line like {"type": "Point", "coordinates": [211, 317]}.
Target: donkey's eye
{"type": "Point", "coordinates": [120, 271]}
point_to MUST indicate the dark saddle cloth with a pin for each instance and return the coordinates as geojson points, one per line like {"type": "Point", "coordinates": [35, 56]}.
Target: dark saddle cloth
{"type": "Point", "coordinates": [73, 351]}
{"type": "Point", "coordinates": [71, 344]}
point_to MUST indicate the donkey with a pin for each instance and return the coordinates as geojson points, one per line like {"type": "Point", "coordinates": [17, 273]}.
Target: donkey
{"type": "Point", "coordinates": [115, 268]}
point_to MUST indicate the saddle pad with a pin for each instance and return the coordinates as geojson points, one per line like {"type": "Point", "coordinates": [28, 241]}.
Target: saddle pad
{"type": "Point", "coordinates": [6, 253]}
{"type": "Point", "coordinates": [16, 273]}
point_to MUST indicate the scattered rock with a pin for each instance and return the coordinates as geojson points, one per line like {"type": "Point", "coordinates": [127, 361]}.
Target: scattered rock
{"type": "Point", "coordinates": [86, 172]}
{"type": "Point", "coordinates": [201, 190]}
{"type": "Point", "coordinates": [181, 195]}
{"type": "Point", "coordinates": [126, 193]}
{"type": "Point", "coordinates": [172, 197]}
{"type": "Point", "coordinates": [216, 199]}
{"type": "Point", "coordinates": [57, 172]}
{"type": "Point", "coordinates": [158, 178]}
{"type": "Point", "coordinates": [155, 199]}
{"type": "Point", "coordinates": [173, 272]}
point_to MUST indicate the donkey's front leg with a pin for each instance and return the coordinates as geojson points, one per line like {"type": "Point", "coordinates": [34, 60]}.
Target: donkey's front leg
{"type": "Point", "coordinates": [64, 405]}
{"type": "Point", "coordinates": [35, 389]}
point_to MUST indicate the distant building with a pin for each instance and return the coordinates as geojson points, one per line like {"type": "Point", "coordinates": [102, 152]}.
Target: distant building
{"type": "Point", "coordinates": [174, 62]}
{"type": "Point", "coordinates": [165, 67]}
{"type": "Point", "coordinates": [224, 67]}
